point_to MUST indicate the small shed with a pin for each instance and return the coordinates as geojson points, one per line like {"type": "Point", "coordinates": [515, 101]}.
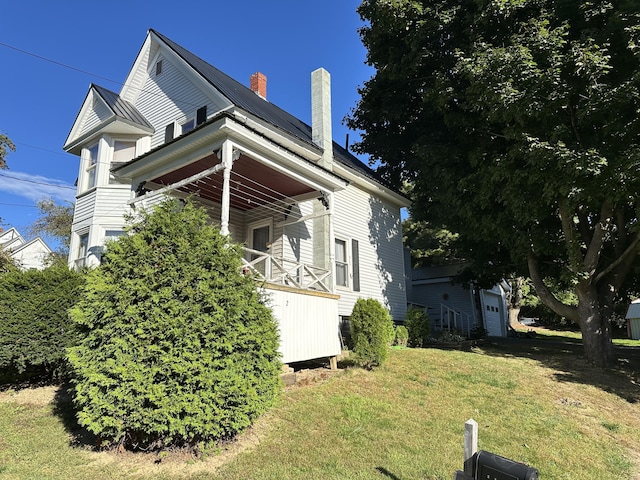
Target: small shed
{"type": "Point", "coordinates": [633, 320]}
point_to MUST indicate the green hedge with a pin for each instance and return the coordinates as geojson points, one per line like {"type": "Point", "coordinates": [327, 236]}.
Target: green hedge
{"type": "Point", "coordinates": [34, 324]}
{"type": "Point", "coordinates": [418, 327]}
{"type": "Point", "coordinates": [180, 348]}
{"type": "Point", "coordinates": [371, 332]}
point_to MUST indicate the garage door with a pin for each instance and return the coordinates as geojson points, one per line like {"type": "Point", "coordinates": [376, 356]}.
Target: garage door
{"type": "Point", "coordinates": [492, 316]}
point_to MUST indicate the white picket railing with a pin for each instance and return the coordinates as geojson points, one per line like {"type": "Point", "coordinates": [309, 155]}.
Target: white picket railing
{"type": "Point", "coordinates": [286, 272]}
{"type": "Point", "coordinates": [448, 316]}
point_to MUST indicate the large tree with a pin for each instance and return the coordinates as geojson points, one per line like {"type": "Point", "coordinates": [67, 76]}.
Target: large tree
{"type": "Point", "coordinates": [516, 122]}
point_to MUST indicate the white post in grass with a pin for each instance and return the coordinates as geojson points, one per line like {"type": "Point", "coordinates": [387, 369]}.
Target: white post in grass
{"type": "Point", "coordinates": [470, 444]}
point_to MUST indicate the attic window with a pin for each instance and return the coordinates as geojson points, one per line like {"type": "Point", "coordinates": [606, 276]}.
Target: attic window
{"type": "Point", "coordinates": [187, 125]}
{"type": "Point", "coordinates": [158, 67]}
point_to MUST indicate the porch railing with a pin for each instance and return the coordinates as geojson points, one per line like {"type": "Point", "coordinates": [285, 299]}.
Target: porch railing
{"type": "Point", "coordinates": [449, 316]}
{"type": "Point", "coordinates": [286, 272]}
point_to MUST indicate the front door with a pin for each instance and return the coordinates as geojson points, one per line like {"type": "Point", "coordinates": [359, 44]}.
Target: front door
{"type": "Point", "coordinates": [260, 240]}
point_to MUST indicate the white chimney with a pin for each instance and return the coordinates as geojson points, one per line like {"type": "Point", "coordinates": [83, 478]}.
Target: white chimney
{"type": "Point", "coordinates": [321, 115]}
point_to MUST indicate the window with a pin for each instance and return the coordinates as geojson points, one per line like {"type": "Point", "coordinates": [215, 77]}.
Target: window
{"type": "Point", "coordinates": [83, 248]}
{"type": "Point", "coordinates": [342, 267]}
{"type": "Point", "coordinates": [122, 153]}
{"type": "Point", "coordinates": [158, 67]}
{"type": "Point", "coordinates": [187, 126]}
{"type": "Point", "coordinates": [92, 163]}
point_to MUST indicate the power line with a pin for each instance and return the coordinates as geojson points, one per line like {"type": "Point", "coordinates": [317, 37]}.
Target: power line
{"type": "Point", "coordinates": [85, 72]}
{"type": "Point", "coordinates": [37, 183]}
{"type": "Point", "coordinates": [18, 205]}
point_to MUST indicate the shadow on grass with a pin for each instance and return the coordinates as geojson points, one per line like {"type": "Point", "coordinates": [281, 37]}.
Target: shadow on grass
{"type": "Point", "coordinates": [566, 356]}
{"type": "Point", "coordinates": [387, 473]}
{"type": "Point", "coordinates": [64, 409]}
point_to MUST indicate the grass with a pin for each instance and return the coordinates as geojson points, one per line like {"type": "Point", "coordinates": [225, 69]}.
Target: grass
{"type": "Point", "coordinates": [537, 404]}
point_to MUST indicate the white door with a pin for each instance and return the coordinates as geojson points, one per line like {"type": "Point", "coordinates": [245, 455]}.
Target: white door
{"type": "Point", "coordinates": [492, 315]}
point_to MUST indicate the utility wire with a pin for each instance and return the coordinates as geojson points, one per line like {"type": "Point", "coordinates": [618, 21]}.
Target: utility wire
{"type": "Point", "coordinates": [37, 183]}
{"type": "Point", "coordinates": [85, 72]}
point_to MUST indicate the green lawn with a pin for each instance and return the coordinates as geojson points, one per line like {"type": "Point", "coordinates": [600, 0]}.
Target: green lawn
{"type": "Point", "coordinates": [405, 420]}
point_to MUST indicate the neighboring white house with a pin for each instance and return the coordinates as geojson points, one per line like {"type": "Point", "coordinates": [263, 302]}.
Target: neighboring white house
{"type": "Point", "coordinates": [319, 226]}
{"type": "Point", "coordinates": [33, 254]}
{"type": "Point", "coordinates": [453, 306]}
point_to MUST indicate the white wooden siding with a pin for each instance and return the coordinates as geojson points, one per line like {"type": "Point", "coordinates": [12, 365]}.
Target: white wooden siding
{"type": "Point", "coordinates": [85, 205]}
{"type": "Point", "coordinates": [308, 325]}
{"type": "Point", "coordinates": [98, 114]}
{"type": "Point", "coordinates": [379, 234]}
{"type": "Point", "coordinates": [170, 97]}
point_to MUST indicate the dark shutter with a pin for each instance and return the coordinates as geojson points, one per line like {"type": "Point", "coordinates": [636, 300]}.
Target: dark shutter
{"type": "Point", "coordinates": [168, 133]}
{"type": "Point", "coordinates": [355, 265]}
{"type": "Point", "coordinates": [201, 115]}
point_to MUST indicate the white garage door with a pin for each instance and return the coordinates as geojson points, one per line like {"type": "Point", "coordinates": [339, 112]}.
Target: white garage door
{"type": "Point", "coordinates": [492, 316]}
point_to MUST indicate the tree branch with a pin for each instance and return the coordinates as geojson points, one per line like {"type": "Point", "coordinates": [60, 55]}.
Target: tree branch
{"type": "Point", "coordinates": [594, 249]}
{"type": "Point", "coordinates": [628, 252]}
{"type": "Point", "coordinates": [548, 298]}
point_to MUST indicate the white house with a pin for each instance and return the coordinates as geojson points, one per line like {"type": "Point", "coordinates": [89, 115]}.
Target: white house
{"type": "Point", "coordinates": [32, 254]}
{"type": "Point", "coordinates": [319, 226]}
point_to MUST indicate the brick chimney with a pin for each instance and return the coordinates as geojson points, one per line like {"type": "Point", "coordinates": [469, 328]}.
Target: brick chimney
{"type": "Point", "coordinates": [258, 84]}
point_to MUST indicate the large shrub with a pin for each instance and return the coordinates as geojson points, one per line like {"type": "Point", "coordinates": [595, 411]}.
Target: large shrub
{"type": "Point", "coordinates": [180, 348]}
{"type": "Point", "coordinates": [34, 324]}
{"type": "Point", "coordinates": [418, 327]}
{"type": "Point", "coordinates": [371, 332]}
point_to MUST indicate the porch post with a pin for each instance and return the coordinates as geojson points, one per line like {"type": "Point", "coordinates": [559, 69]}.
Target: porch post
{"type": "Point", "coordinates": [227, 161]}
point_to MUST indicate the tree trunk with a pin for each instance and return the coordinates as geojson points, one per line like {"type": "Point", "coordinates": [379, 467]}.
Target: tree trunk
{"type": "Point", "coordinates": [596, 328]}
{"type": "Point", "coordinates": [515, 300]}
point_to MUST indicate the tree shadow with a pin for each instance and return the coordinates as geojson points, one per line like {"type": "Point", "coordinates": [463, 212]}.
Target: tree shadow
{"type": "Point", "coordinates": [387, 473]}
{"type": "Point", "coordinates": [567, 358]}
{"type": "Point", "coordinates": [64, 409]}
{"type": "Point", "coordinates": [385, 234]}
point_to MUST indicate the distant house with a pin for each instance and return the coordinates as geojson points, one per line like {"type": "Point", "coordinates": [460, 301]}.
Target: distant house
{"type": "Point", "coordinates": [633, 320]}
{"type": "Point", "coordinates": [32, 254]}
{"type": "Point", "coordinates": [452, 306]}
{"type": "Point", "coordinates": [319, 227]}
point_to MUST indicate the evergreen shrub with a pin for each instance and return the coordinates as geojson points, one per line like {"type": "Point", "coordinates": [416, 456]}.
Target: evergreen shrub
{"type": "Point", "coordinates": [418, 327]}
{"type": "Point", "coordinates": [35, 329]}
{"type": "Point", "coordinates": [402, 336]}
{"type": "Point", "coordinates": [180, 349]}
{"type": "Point", "coordinates": [371, 332]}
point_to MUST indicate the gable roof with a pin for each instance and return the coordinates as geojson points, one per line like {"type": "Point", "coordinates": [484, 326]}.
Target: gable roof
{"type": "Point", "coordinates": [120, 107]}
{"type": "Point", "coordinates": [244, 98]}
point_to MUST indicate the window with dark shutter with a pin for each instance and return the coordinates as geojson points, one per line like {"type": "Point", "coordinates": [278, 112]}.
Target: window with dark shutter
{"type": "Point", "coordinates": [168, 133]}
{"type": "Point", "coordinates": [355, 265]}
{"type": "Point", "coordinates": [201, 115]}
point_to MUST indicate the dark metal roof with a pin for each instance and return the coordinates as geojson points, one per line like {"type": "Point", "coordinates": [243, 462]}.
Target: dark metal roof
{"type": "Point", "coordinates": [121, 108]}
{"type": "Point", "coordinates": [245, 98]}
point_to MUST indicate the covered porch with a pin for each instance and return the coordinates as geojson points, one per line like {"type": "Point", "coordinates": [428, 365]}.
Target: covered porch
{"type": "Point", "coordinates": [277, 206]}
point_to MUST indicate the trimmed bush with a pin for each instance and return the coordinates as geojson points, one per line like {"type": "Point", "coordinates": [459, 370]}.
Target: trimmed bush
{"type": "Point", "coordinates": [402, 336]}
{"type": "Point", "coordinates": [180, 347]}
{"type": "Point", "coordinates": [371, 332]}
{"type": "Point", "coordinates": [418, 327]}
{"type": "Point", "coordinates": [35, 329]}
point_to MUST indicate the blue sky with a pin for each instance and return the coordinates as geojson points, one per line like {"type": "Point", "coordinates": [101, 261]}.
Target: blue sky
{"type": "Point", "coordinates": [284, 39]}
